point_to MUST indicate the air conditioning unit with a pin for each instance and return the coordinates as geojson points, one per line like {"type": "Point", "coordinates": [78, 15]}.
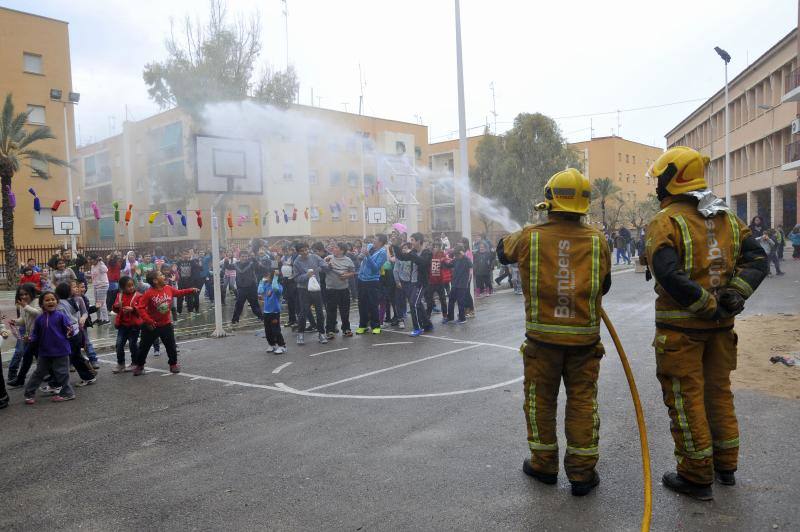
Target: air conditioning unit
{"type": "Point", "coordinates": [796, 126]}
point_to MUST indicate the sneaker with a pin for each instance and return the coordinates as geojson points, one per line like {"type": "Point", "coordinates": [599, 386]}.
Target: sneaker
{"type": "Point", "coordinates": [95, 364]}
{"type": "Point", "coordinates": [138, 370]}
{"type": "Point", "coordinates": [301, 339]}
{"type": "Point", "coordinates": [402, 324]}
{"type": "Point", "coordinates": [726, 478]}
{"type": "Point", "coordinates": [62, 398]}
{"type": "Point", "coordinates": [174, 368]}
{"type": "Point", "coordinates": [157, 353]}
{"type": "Point", "coordinates": [331, 335]}
{"type": "Point", "coordinates": [86, 383]}
{"type": "Point", "coordinates": [579, 489]}
{"type": "Point", "coordinates": [678, 484]}
{"type": "Point", "coordinates": [46, 388]}
{"type": "Point", "coordinates": [445, 321]}
{"type": "Point", "coordinates": [361, 330]}
{"type": "Point", "coordinates": [119, 368]}
{"type": "Point", "coordinates": [428, 329]}
{"type": "Point", "coordinates": [279, 350]}
{"type": "Point", "coordinates": [544, 478]}
{"type": "Point", "coordinates": [271, 349]}
{"type": "Point", "coordinates": [376, 330]}
{"type": "Point", "coordinates": [348, 333]}
{"type": "Point", "coordinates": [130, 367]}
{"type": "Point", "coordinates": [16, 383]}
{"type": "Point", "coordinates": [416, 332]}
{"type": "Point", "coordinates": [30, 400]}
{"type": "Point", "coordinates": [322, 339]}
{"type": "Point", "coordinates": [462, 321]}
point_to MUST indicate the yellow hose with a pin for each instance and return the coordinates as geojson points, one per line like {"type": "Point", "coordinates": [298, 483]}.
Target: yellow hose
{"type": "Point", "coordinates": [637, 405]}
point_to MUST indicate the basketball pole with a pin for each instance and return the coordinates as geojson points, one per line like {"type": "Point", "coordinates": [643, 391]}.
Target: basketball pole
{"type": "Point", "coordinates": [219, 331]}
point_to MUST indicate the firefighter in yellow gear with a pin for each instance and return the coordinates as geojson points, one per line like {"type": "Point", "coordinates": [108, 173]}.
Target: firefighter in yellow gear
{"type": "Point", "coordinates": [564, 269]}
{"type": "Point", "coordinates": [706, 264]}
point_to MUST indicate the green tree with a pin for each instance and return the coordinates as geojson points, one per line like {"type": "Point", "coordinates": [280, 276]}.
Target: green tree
{"type": "Point", "coordinates": [603, 189]}
{"type": "Point", "coordinates": [19, 145]}
{"type": "Point", "coordinates": [217, 62]}
{"type": "Point", "coordinates": [514, 167]}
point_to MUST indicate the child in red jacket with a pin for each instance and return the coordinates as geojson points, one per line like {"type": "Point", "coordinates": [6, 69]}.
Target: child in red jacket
{"type": "Point", "coordinates": [32, 277]}
{"type": "Point", "coordinates": [154, 308]}
{"type": "Point", "coordinates": [128, 323]}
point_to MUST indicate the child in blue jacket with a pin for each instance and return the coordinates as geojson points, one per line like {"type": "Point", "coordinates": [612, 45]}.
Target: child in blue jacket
{"type": "Point", "coordinates": [271, 290]}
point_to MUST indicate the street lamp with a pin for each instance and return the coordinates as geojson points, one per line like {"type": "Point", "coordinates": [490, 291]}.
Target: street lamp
{"type": "Point", "coordinates": [726, 57]}
{"type": "Point", "coordinates": [466, 215]}
{"type": "Point", "coordinates": [72, 98]}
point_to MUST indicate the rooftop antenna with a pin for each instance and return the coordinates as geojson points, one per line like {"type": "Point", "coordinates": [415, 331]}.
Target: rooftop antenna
{"type": "Point", "coordinates": [494, 107]}
{"type": "Point", "coordinates": [361, 83]}
{"type": "Point", "coordinates": [286, 21]}
{"type": "Point", "coordinates": [619, 122]}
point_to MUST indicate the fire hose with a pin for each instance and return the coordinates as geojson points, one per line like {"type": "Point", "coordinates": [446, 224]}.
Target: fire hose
{"type": "Point", "coordinates": [637, 405]}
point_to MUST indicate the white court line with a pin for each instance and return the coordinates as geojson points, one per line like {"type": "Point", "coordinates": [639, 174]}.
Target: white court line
{"type": "Point", "coordinates": [178, 343]}
{"type": "Point", "coordinates": [456, 340]}
{"type": "Point", "coordinates": [331, 351]}
{"type": "Point", "coordinates": [282, 387]}
{"type": "Point", "coordinates": [391, 343]}
{"type": "Point", "coordinates": [279, 368]}
{"type": "Point", "coordinates": [390, 368]}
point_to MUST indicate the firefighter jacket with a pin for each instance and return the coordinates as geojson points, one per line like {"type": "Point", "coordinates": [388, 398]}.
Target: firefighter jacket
{"type": "Point", "coordinates": [693, 257]}
{"type": "Point", "coordinates": [565, 268]}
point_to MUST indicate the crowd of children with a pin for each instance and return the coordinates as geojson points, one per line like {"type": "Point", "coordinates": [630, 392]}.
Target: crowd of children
{"type": "Point", "coordinates": [392, 278]}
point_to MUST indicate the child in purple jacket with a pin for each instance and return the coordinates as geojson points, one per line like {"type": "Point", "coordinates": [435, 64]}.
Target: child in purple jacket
{"type": "Point", "coordinates": [50, 335]}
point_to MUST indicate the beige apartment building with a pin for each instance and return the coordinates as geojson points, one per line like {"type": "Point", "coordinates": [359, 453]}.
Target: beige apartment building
{"type": "Point", "coordinates": [764, 127]}
{"type": "Point", "coordinates": [623, 161]}
{"type": "Point", "coordinates": [320, 168]}
{"type": "Point", "coordinates": [35, 58]}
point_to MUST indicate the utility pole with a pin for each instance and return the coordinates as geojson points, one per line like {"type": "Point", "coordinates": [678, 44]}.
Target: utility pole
{"type": "Point", "coordinates": [286, 21]}
{"type": "Point", "coordinates": [466, 215]}
{"type": "Point", "coordinates": [494, 107]}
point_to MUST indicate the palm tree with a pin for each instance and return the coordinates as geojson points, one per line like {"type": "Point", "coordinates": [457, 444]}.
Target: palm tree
{"type": "Point", "coordinates": [16, 147]}
{"type": "Point", "coordinates": [602, 189]}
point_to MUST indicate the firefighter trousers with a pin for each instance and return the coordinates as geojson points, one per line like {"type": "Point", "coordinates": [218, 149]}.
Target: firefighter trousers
{"type": "Point", "coordinates": [694, 369]}
{"type": "Point", "coordinates": [545, 366]}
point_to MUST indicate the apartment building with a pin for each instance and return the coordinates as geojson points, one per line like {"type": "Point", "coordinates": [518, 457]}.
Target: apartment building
{"type": "Point", "coordinates": [319, 171]}
{"type": "Point", "coordinates": [35, 59]}
{"type": "Point", "coordinates": [764, 128]}
{"type": "Point", "coordinates": [623, 161]}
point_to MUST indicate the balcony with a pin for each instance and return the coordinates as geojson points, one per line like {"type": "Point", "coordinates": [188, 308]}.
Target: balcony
{"type": "Point", "coordinates": [792, 91]}
{"type": "Point", "coordinates": [792, 156]}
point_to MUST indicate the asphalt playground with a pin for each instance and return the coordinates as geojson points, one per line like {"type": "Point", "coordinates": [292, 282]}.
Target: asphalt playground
{"type": "Point", "coordinates": [384, 432]}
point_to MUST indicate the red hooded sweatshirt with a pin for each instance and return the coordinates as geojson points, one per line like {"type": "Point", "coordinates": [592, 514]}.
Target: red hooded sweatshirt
{"type": "Point", "coordinates": [127, 319]}
{"type": "Point", "coordinates": [155, 305]}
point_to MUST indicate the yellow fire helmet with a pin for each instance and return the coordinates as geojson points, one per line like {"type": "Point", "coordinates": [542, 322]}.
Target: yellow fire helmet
{"type": "Point", "coordinates": [567, 191]}
{"type": "Point", "coordinates": [679, 170]}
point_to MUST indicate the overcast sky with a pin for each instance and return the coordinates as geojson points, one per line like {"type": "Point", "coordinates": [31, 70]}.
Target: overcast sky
{"type": "Point", "coordinates": [561, 58]}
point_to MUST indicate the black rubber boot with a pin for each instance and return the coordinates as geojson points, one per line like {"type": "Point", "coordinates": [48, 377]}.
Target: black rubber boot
{"type": "Point", "coordinates": [678, 484]}
{"type": "Point", "coordinates": [579, 489]}
{"type": "Point", "coordinates": [544, 478]}
{"type": "Point", "coordinates": [726, 478]}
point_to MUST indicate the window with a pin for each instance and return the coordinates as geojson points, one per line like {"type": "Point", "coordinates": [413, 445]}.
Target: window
{"type": "Point", "coordinates": [620, 176]}
{"type": "Point", "coordinates": [43, 218]}
{"type": "Point", "coordinates": [634, 159]}
{"type": "Point", "coordinates": [32, 63]}
{"type": "Point", "coordinates": [36, 114]}
{"type": "Point", "coordinates": [288, 174]}
{"type": "Point", "coordinates": [314, 214]}
{"type": "Point", "coordinates": [419, 214]}
{"type": "Point", "coordinates": [352, 178]}
{"type": "Point", "coordinates": [97, 169]}
{"type": "Point", "coordinates": [353, 212]}
{"type": "Point", "coordinates": [400, 147]}
{"type": "Point", "coordinates": [418, 152]}
{"type": "Point", "coordinates": [634, 178]}
{"type": "Point", "coordinates": [619, 157]}
{"type": "Point", "coordinates": [167, 142]}
{"type": "Point", "coordinates": [336, 214]}
{"type": "Point", "coordinates": [313, 178]}
{"type": "Point", "coordinates": [627, 178]}
{"type": "Point", "coordinates": [401, 212]}
{"type": "Point", "coordinates": [336, 178]}
{"type": "Point", "coordinates": [39, 165]}
{"type": "Point", "coordinates": [627, 159]}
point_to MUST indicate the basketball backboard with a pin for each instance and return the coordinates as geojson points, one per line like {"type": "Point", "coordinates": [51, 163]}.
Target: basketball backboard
{"type": "Point", "coordinates": [66, 225]}
{"type": "Point", "coordinates": [228, 165]}
{"type": "Point", "coordinates": [376, 215]}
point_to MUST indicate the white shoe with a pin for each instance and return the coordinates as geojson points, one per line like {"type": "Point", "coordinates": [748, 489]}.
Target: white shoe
{"type": "Point", "coordinates": [280, 350]}
{"type": "Point", "coordinates": [323, 339]}
{"type": "Point", "coordinates": [271, 349]}
{"type": "Point", "coordinates": [402, 324]}
{"type": "Point", "coordinates": [301, 339]}
{"type": "Point", "coordinates": [46, 388]}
